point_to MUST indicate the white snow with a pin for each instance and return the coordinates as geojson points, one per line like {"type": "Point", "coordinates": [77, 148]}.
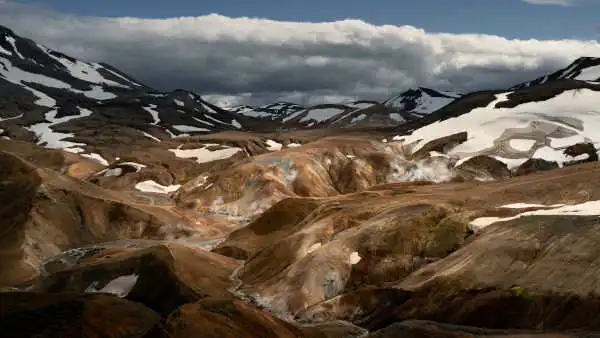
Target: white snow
{"type": "Point", "coordinates": [521, 144]}
{"type": "Point", "coordinates": [12, 42]}
{"type": "Point", "coordinates": [215, 120]}
{"type": "Point", "coordinates": [54, 139]}
{"type": "Point", "coordinates": [273, 146]}
{"type": "Point", "coordinates": [11, 118]}
{"type": "Point", "coordinates": [96, 157]}
{"type": "Point", "coordinates": [137, 166]}
{"type": "Point", "coordinates": [115, 172]}
{"type": "Point", "coordinates": [355, 258]}
{"type": "Point", "coordinates": [236, 124]}
{"type": "Point", "coordinates": [85, 71]}
{"type": "Point", "coordinates": [425, 104]}
{"type": "Point", "coordinates": [185, 128]}
{"type": "Point", "coordinates": [152, 111]}
{"type": "Point", "coordinates": [98, 93]}
{"type": "Point", "coordinates": [590, 208]}
{"type": "Point", "coordinates": [358, 118]}
{"type": "Point", "coordinates": [204, 155]}
{"type": "Point", "coordinates": [4, 51]}
{"type": "Point", "coordinates": [319, 114]}
{"type": "Point", "coordinates": [152, 186]}
{"type": "Point", "coordinates": [566, 141]}
{"type": "Point", "coordinates": [179, 102]}
{"type": "Point", "coordinates": [397, 117]}
{"type": "Point", "coordinates": [120, 286]}
{"type": "Point", "coordinates": [97, 66]}
{"type": "Point", "coordinates": [294, 145]}
{"type": "Point", "coordinates": [150, 136]}
{"type": "Point", "coordinates": [202, 121]}
{"type": "Point", "coordinates": [488, 124]}
{"type": "Point", "coordinates": [589, 74]}
{"type": "Point", "coordinates": [176, 136]}
{"type": "Point", "coordinates": [529, 205]}
{"type": "Point", "coordinates": [21, 77]}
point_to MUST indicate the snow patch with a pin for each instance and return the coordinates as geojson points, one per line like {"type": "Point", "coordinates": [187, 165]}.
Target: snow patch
{"type": "Point", "coordinates": [205, 155]}
{"type": "Point", "coordinates": [236, 124]}
{"type": "Point", "coordinates": [120, 286]}
{"type": "Point", "coordinates": [13, 43]}
{"type": "Point", "coordinates": [590, 208]}
{"type": "Point", "coordinates": [150, 136]}
{"type": "Point", "coordinates": [273, 146]}
{"type": "Point", "coordinates": [52, 139]}
{"type": "Point", "coordinates": [96, 157]}
{"type": "Point", "coordinates": [521, 144]}
{"type": "Point", "coordinates": [152, 186]}
{"type": "Point", "coordinates": [358, 118]}
{"type": "Point", "coordinates": [185, 128]}
{"type": "Point", "coordinates": [152, 111]}
{"type": "Point", "coordinates": [488, 125]}
{"type": "Point", "coordinates": [355, 258]}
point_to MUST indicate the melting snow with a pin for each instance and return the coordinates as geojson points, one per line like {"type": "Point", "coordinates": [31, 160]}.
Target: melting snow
{"type": "Point", "coordinates": [12, 42]}
{"type": "Point", "coordinates": [150, 136]}
{"type": "Point", "coordinates": [486, 125]}
{"type": "Point", "coordinates": [152, 186]}
{"type": "Point", "coordinates": [236, 124]}
{"type": "Point", "coordinates": [273, 146]}
{"type": "Point", "coordinates": [120, 286]}
{"type": "Point", "coordinates": [99, 93]}
{"type": "Point", "coordinates": [589, 74]}
{"type": "Point", "coordinates": [11, 118]}
{"type": "Point", "coordinates": [355, 258]}
{"type": "Point", "coordinates": [137, 166]}
{"type": "Point", "coordinates": [96, 157]}
{"type": "Point", "coordinates": [153, 113]}
{"type": "Point", "coordinates": [320, 114]}
{"type": "Point", "coordinates": [397, 117]}
{"type": "Point", "coordinates": [185, 128]}
{"type": "Point", "coordinates": [18, 76]}
{"type": "Point", "coordinates": [358, 118]}
{"type": "Point", "coordinates": [202, 121]}
{"type": "Point", "coordinates": [204, 155]}
{"type": "Point", "coordinates": [4, 51]}
{"type": "Point", "coordinates": [85, 71]}
{"type": "Point", "coordinates": [590, 208]}
{"type": "Point", "coordinates": [53, 139]}
{"type": "Point", "coordinates": [521, 144]}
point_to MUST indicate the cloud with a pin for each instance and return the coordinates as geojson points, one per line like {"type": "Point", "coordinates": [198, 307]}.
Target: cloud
{"type": "Point", "coordinates": [551, 2]}
{"type": "Point", "coordinates": [250, 60]}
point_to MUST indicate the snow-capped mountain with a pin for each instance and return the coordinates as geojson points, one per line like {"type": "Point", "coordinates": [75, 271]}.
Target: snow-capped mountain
{"type": "Point", "coordinates": [418, 102]}
{"type": "Point", "coordinates": [537, 122]}
{"type": "Point", "coordinates": [582, 69]}
{"type": "Point", "coordinates": [42, 91]}
{"type": "Point", "coordinates": [273, 111]}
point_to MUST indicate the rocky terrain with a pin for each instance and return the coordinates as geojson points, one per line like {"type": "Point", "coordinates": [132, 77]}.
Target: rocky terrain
{"type": "Point", "coordinates": [130, 212]}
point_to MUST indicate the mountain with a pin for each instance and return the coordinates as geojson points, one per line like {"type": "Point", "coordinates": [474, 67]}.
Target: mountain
{"type": "Point", "coordinates": [419, 102]}
{"type": "Point", "coordinates": [582, 69]}
{"type": "Point", "coordinates": [277, 110]}
{"type": "Point", "coordinates": [42, 89]}
{"type": "Point", "coordinates": [127, 211]}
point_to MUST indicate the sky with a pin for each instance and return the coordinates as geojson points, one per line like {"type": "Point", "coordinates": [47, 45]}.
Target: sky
{"type": "Point", "coordinates": [315, 51]}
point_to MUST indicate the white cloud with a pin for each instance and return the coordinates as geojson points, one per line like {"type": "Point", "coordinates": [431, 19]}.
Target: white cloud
{"type": "Point", "coordinates": [551, 2]}
{"type": "Point", "coordinates": [305, 62]}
